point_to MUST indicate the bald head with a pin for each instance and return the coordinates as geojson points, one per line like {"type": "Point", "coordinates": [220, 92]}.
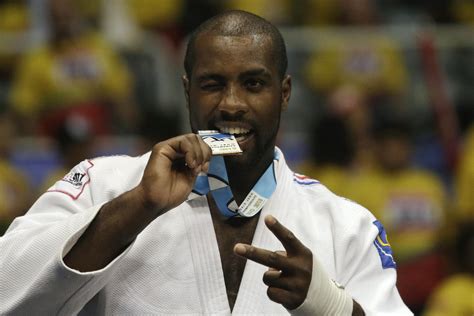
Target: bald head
{"type": "Point", "coordinates": [239, 23]}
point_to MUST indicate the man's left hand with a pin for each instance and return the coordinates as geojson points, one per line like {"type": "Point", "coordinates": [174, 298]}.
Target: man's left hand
{"type": "Point", "coordinates": [289, 274]}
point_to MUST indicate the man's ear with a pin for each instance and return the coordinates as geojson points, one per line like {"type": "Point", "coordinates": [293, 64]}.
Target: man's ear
{"type": "Point", "coordinates": [285, 92]}
{"type": "Point", "coordinates": [185, 81]}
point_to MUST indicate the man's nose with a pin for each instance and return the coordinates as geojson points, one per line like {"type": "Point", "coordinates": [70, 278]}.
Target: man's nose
{"type": "Point", "coordinates": [233, 102]}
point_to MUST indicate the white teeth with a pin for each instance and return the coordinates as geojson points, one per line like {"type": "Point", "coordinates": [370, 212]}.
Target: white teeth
{"type": "Point", "coordinates": [234, 130]}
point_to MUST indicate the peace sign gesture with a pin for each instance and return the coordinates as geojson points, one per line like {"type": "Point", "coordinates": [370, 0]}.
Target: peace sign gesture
{"type": "Point", "coordinates": [289, 274]}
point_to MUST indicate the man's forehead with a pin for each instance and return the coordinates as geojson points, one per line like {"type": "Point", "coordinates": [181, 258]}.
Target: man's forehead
{"type": "Point", "coordinates": [257, 47]}
{"type": "Point", "coordinates": [212, 50]}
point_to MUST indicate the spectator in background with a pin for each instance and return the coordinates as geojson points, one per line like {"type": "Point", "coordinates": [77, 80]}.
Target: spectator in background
{"type": "Point", "coordinates": [76, 71]}
{"type": "Point", "coordinates": [411, 203]}
{"type": "Point", "coordinates": [349, 103]}
{"type": "Point", "coordinates": [341, 146]}
{"type": "Point", "coordinates": [14, 187]}
{"type": "Point", "coordinates": [371, 62]}
{"type": "Point", "coordinates": [454, 296]}
{"type": "Point", "coordinates": [332, 154]}
{"type": "Point", "coordinates": [124, 22]}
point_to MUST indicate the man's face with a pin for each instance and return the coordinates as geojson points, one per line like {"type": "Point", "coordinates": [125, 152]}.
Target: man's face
{"type": "Point", "coordinates": [235, 88]}
{"type": "Point", "coordinates": [393, 152]}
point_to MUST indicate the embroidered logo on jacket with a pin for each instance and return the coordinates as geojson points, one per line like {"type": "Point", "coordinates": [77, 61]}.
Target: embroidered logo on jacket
{"type": "Point", "coordinates": [75, 178]}
{"type": "Point", "coordinates": [75, 181]}
{"type": "Point", "coordinates": [383, 247]}
{"type": "Point", "coordinates": [303, 180]}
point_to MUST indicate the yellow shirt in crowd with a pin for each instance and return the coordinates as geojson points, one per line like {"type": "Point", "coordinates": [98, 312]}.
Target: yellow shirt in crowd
{"type": "Point", "coordinates": [81, 70]}
{"type": "Point", "coordinates": [454, 297]}
{"type": "Point", "coordinates": [372, 63]}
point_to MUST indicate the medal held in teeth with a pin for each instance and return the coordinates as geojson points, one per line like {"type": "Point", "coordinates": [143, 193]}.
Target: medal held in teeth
{"type": "Point", "coordinates": [220, 143]}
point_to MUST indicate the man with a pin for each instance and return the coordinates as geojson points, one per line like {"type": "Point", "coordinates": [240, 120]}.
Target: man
{"type": "Point", "coordinates": [121, 235]}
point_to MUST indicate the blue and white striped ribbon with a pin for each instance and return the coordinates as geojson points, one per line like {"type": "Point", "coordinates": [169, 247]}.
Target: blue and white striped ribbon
{"type": "Point", "coordinates": [217, 182]}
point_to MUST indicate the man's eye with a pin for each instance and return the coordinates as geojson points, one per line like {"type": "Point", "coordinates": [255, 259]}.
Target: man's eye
{"type": "Point", "coordinates": [211, 86]}
{"type": "Point", "coordinates": [254, 84]}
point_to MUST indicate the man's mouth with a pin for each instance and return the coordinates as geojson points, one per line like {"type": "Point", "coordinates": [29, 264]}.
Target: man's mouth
{"type": "Point", "coordinates": [240, 133]}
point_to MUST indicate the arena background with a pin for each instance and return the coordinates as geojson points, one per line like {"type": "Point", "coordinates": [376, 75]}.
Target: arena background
{"type": "Point", "coordinates": [382, 109]}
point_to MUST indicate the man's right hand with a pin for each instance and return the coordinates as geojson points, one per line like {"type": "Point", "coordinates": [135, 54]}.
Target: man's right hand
{"type": "Point", "coordinates": [171, 171]}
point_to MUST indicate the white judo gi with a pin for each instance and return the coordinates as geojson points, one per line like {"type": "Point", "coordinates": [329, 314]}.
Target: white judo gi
{"type": "Point", "coordinates": [173, 266]}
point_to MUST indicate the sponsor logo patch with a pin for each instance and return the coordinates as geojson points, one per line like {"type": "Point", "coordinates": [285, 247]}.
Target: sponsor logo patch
{"type": "Point", "coordinates": [383, 247]}
{"type": "Point", "coordinates": [73, 183]}
{"type": "Point", "coordinates": [75, 178]}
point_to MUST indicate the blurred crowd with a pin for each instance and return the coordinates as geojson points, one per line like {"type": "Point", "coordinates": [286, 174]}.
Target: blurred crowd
{"type": "Point", "coordinates": [382, 110]}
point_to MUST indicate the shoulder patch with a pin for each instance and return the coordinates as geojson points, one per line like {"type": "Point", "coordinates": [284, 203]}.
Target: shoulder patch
{"type": "Point", "coordinates": [73, 183]}
{"type": "Point", "coordinates": [303, 180]}
{"type": "Point", "coordinates": [383, 247]}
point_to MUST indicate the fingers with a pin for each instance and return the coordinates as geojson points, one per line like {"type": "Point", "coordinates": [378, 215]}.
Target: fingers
{"type": "Point", "coordinates": [273, 278]}
{"type": "Point", "coordinates": [287, 238]}
{"type": "Point", "coordinates": [272, 259]}
{"type": "Point", "coordinates": [280, 279]}
{"type": "Point", "coordinates": [196, 151]}
{"type": "Point", "coordinates": [288, 299]}
{"type": "Point", "coordinates": [193, 149]}
{"type": "Point", "coordinates": [285, 289]}
{"type": "Point", "coordinates": [277, 279]}
{"type": "Point", "coordinates": [290, 272]}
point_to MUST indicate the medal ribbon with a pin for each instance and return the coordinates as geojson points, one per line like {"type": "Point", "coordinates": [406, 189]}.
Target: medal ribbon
{"type": "Point", "coordinates": [217, 182]}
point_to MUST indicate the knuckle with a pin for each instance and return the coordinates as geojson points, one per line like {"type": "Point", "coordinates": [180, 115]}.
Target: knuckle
{"type": "Point", "coordinates": [273, 257]}
{"type": "Point", "coordinates": [307, 272]}
{"type": "Point", "coordinates": [301, 285]}
{"type": "Point", "coordinates": [290, 236]}
{"type": "Point", "coordinates": [306, 268]}
{"type": "Point", "coordinates": [187, 141]}
{"type": "Point", "coordinates": [251, 251]}
{"type": "Point", "coordinates": [157, 147]}
{"type": "Point", "coordinates": [306, 252]}
{"type": "Point", "coordinates": [196, 138]}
